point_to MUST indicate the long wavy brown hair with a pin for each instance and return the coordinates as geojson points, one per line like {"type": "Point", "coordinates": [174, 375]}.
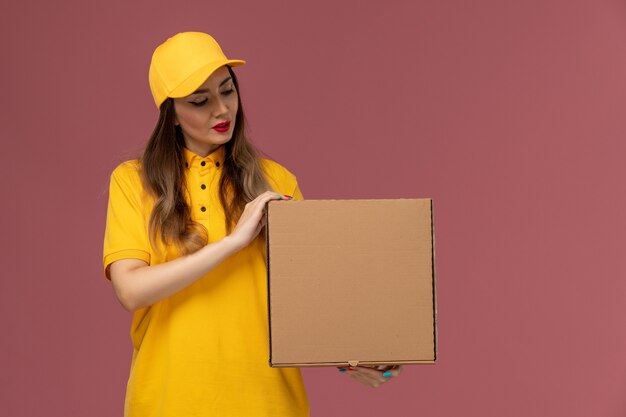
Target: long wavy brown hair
{"type": "Point", "coordinates": [163, 175]}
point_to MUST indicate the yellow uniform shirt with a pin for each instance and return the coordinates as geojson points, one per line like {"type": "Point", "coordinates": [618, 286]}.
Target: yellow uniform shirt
{"type": "Point", "coordinates": [204, 350]}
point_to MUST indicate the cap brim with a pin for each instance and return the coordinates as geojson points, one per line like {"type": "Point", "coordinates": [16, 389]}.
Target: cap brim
{"type": "Point", "coordinates": [196, 79]}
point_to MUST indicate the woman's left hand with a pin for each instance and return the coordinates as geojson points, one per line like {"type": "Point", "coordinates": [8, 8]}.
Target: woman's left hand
{"type": "Point", "coordinates": [372, 376]}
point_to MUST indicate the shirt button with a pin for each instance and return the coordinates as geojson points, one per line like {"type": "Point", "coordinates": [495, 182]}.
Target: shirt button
{"type": "Point", "coordinates": [203, 163]}
{"type": "Point", "coordinates": [203, 187]}
{"type": "Point", "coordinates": [217, 164]}
{"type": "Point", "coordinates": [203, 209]}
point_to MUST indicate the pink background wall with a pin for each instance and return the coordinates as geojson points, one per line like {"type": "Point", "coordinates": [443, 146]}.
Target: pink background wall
{"type": "Point", "coordinates": [511, 115]}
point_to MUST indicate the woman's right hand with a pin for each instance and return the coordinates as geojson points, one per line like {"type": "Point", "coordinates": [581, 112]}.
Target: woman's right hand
{"type": "Point", "coordinates": [252, 219]}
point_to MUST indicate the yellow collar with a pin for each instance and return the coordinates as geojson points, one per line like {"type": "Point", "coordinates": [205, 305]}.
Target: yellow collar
{"type": "Point", "coordinates": [214, 158]}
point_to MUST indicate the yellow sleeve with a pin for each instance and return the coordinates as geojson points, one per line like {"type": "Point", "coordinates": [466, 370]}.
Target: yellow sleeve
{"type": "Point", "coordinates": [297, 194]}
{"type": "Point", "coordinates": [126, 233]}
{"type": "Point", "coordinates": [281, 179]}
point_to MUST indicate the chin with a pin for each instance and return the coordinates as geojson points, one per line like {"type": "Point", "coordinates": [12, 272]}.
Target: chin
{"type": "Point", "coordinates": [222, 141]}
{"type": "Point", "coordinates": [226, 138]}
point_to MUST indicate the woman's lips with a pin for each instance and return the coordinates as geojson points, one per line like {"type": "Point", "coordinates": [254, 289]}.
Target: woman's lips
{"type": "Point", "coordinates": [222, 127]}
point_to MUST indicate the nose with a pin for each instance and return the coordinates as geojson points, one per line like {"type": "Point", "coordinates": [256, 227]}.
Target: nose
{"type": "Point", "coordinates": [219, 107]}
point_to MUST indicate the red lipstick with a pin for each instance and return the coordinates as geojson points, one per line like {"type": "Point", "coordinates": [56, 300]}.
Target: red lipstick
{"type": "Point", "coordinates": [222, 127]}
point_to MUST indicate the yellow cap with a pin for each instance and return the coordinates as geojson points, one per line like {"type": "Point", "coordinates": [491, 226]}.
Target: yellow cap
{"type": "Point", "coordinates": [183, 62]}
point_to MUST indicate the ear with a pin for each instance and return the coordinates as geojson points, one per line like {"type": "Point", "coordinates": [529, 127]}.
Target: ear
{"type": "Point", "coordinates": [176, 122]}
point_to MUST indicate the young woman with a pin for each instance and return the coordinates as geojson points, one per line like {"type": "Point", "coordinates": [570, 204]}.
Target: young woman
{"type": "Point", "coordinates": [183, 251]}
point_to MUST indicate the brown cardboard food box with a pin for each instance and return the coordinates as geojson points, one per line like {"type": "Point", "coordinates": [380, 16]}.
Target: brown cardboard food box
{"type": "Point", "coordinates": [351, 282]}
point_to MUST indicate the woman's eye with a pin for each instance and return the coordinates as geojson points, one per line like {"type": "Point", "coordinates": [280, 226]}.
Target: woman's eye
{"type": "Point", "coordinates": [199, 103]}
{"type": "Point", "coordinates": [228, 92]}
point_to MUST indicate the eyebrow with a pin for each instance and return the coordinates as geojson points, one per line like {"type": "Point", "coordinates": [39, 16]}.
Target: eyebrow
{"type": "Point", "coordinates": [205, 90]}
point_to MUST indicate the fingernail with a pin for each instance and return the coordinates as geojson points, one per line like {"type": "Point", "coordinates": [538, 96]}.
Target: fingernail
{"type": "Point", "coordinates": [387, 374]}
{"type": "Point", "coordinates": [341, 369]}
{"type": "Point", "coordinates": [288, 196]}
